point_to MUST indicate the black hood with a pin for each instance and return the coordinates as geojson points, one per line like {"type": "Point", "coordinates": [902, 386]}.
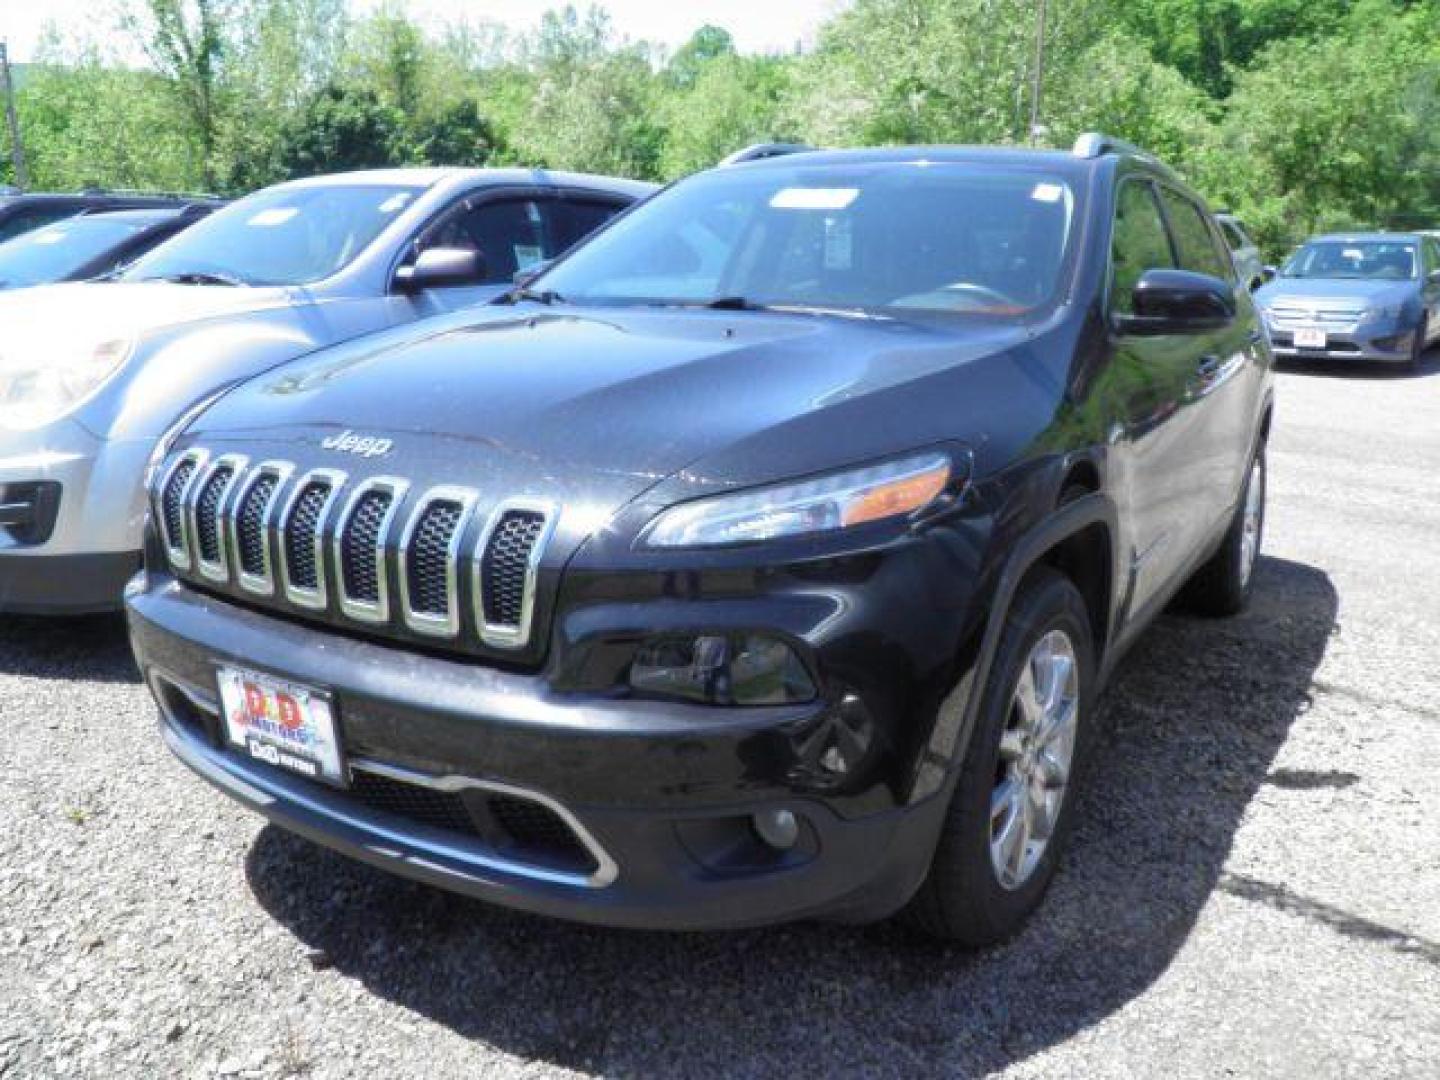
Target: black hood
{"type": "Point", "coordinates": [597, 405]}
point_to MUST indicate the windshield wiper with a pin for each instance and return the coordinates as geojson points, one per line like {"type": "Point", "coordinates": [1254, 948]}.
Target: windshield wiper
{"type": "Point", "coordinates": [201, 277]}
{"type": "Point", "coordinates": [547, 297]}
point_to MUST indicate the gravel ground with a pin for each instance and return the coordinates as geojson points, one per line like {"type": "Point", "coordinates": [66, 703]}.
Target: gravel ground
{"type": "Point", "coordinates": [1254, 887]}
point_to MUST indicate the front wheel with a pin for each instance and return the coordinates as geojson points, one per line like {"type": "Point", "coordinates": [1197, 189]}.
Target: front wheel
{"type": "Point", "coordinates": [1009, 816]}
{"type": "Point", "coordinates": [1417, 349]}
{"type": "Point", "coordinates": [1223, 585]}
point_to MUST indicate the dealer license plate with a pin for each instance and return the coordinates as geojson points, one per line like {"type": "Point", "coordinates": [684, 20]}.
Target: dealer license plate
{"type": "Point", "coordinates": [1309, 337]}
{"type": "Point", "coordinates": [282, 723]}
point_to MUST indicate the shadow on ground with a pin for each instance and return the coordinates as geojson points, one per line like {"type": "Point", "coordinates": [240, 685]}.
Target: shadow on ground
{"type": "Point", "coordinates": [93, 648]}
{"type": "Point", "coordinates": [1196, 715]}
{"type": "Point", "coordinates": [1366, 369]}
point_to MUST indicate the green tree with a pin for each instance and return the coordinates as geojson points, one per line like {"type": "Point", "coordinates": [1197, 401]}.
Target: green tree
{"type": "Point", "coordinates": [343, 127]}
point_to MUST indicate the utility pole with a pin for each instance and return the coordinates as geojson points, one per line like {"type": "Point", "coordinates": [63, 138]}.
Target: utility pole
{"type": "Point", "coordinates": [17, 152]}
{"type": "Point", "coordinates": [1039, 75]}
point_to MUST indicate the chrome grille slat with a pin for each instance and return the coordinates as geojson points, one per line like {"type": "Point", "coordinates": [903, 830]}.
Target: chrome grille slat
{"type": "Point", "coordinates": [302, 537]}
{"type": "Point", "coordinates": [505, 570]}
{"type": "Point", "coordinates": [205, 506]}
{"type": "Point", "coordinates": [359, 548]}
{"type": "Point", "coordinates": [430, 559]}
{"type": "Point", "coordinates": [174, 492]}
{"type": "Point", "coordinates": [249, 523]}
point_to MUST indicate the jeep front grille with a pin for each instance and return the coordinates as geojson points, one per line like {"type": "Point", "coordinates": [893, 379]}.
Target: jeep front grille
{"type": "Point", "coordinates": [344, 546]}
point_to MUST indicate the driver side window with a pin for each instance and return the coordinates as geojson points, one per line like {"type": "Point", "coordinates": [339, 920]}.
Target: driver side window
{"type": "Point", "coordinates": [1138, 242]}
{"type": "Point", "coordinates": [509, 235]}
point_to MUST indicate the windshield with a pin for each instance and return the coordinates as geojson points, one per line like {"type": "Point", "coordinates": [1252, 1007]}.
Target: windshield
{"type": "Point", "coordinates": [56, 251]}
{"type": "Point", "coordinates": [889, 238]}
{"type": "Point", "coordinates": [284, 236]}
{"type": "Point", "coordinates": [1381, 260]}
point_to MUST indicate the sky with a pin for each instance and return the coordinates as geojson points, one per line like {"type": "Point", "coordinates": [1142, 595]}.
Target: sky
{"type": "Point", "coordinates": [757, 25]}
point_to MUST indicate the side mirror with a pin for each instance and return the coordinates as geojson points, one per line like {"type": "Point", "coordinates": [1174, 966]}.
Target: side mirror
{"type": "Point", "coordinates": [1434, 277]}
{"type": "Point", "coordinates": [441, 268]}
{"type": "Point", "coordinates": [1269, 273]}
{"type": "Point", "coordinates": [1178, 302]}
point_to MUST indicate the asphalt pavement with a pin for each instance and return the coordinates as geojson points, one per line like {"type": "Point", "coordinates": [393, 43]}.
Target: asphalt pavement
{"type": "Point", "coordinates": [1253, 887]}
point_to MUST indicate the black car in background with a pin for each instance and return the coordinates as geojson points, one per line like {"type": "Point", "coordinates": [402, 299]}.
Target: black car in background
{"type": "Point", "coordinates": [762, 559]}
{"type": "Point", "coordinates": [22, 211]}
{"type": "Point", "coordinates": [91, 244]}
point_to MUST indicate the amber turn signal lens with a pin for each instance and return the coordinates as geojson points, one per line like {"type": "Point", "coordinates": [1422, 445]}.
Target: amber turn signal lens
{"type": "Point", "coordinates": [897, 497]}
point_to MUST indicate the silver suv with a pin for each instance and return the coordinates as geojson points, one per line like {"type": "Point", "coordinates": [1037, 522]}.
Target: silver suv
{"type": "Point", "coordinates": [92, 375]}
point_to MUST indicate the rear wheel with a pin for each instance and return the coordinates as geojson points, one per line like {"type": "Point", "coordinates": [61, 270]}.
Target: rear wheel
{"type": "Point", "coordinates": [1009, 816]}
{"type": "Point", "coordinates": [1223, 585]}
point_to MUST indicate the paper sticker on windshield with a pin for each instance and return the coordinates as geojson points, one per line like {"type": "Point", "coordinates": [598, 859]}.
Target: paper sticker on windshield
{"type": "Point", "coordinates": [398, 201]}
{"type": "Point", "coordinates": [839, 243]}
{"type": "Point", "coordinates": [276, 215]}
{"type": "Point", "coordinates": [1047, 193]}
{"type": "Point", "coordinates": [808, 198]}
{"type": "Point", "coordinates": [527, 255]}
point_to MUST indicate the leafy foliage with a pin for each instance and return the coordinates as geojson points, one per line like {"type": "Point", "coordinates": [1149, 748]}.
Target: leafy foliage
{"type": "Point", "coordinates": [1300, 114]}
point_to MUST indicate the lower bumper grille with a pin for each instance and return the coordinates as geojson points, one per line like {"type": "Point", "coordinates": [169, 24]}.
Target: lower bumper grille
{"type": "Point", "coordinates": [529, 832]}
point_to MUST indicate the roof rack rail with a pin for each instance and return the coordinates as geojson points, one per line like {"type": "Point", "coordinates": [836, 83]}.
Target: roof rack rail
{"type": "Point", "coordinates": [1094, 144]}
{"type": "Point", "coordinates": [138, 193]}
{"type": "Point", "coordinates": [761, 151]}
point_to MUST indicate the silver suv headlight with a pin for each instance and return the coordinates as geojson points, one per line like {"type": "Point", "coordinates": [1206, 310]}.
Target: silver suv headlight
{"type": "Point", "coordinates": [822, 504]}
{"type": "Point", "coordinates": [38, 387]}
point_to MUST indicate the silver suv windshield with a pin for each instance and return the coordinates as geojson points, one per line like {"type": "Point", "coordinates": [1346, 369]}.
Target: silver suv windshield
{"type": "Point", "coordinates": [892, 238]}
{"type": "Point", "coordinates": [282, 236]}
{"type": "Point", "coordinates": [1380, 260]}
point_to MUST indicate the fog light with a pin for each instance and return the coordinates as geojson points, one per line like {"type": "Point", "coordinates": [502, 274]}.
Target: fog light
{"type": "Point", "coordinates": [741, 669]}
{"type": "Point", "coordinates": [778, 828]}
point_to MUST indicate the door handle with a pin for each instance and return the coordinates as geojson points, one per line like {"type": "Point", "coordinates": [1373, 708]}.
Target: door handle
{"type": "Point", "coordinates": [1208, 366]}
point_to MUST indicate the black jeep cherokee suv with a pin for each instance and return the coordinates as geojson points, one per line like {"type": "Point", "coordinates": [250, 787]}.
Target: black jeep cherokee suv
{"type": "Point", "coordinates": [761, 559]}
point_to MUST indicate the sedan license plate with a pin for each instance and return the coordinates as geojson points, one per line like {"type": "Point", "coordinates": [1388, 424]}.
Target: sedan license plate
{"type": "Point", "coordinates": [1309, 337]}
{"type": "Point", "coordinates": [282, 724]}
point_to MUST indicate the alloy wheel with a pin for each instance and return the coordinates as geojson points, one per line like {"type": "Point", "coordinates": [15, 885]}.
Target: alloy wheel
{"type": "Point", "coordinates": [1037, 751]}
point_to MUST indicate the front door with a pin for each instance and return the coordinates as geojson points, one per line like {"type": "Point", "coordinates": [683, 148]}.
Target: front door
{"type": "Point", "coordinates": [1157, 426]}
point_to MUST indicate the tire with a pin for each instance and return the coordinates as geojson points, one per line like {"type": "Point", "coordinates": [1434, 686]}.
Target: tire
{"type": "Point", "coordinates": [1223, 585]}
{"type": "Point", "coordinates": [1417, 350]}
{"type": "Point", "coordinates": [965, 897]}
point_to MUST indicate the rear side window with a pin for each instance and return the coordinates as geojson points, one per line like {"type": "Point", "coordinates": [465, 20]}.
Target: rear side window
{"type": "Point", "coordinates": [1197, 247]}
{"type": "Point", "coordinates": [1138, 242]}
{"type": "Point", "coordinates": [1233, 236]}
{"type": "Point", "coordinates": [571, 220]}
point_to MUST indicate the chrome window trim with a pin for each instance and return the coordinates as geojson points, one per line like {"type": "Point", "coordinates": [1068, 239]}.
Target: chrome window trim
{"type": "Point", "coordinates": [422, 622]}
{"type": "Point", "coordinates": [262, 584]}
{"type": "Point", "coordinates": [500, 635]}
{"type": "Point", "coordinates": [218, 570]}
{"type": "Point", "coordinates": [317, 598]}
{"type": "Point", "coordinates": [179, 554]}
{"type": "Point", "coordinates": [364, 610]}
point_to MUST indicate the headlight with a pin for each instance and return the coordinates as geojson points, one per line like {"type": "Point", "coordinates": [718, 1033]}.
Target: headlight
{"type": "Point", "coordinates": [35, 391]}
{"type": "Point", "coordinates": [823, 504]}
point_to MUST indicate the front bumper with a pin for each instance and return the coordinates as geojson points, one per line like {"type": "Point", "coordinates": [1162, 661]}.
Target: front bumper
{"type": "Point", "coordinates": [74, 553]}
{"type": "Point", "coordinates": [1383, 343]}
{"type": "Point", "coordinates": [658, 796]}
